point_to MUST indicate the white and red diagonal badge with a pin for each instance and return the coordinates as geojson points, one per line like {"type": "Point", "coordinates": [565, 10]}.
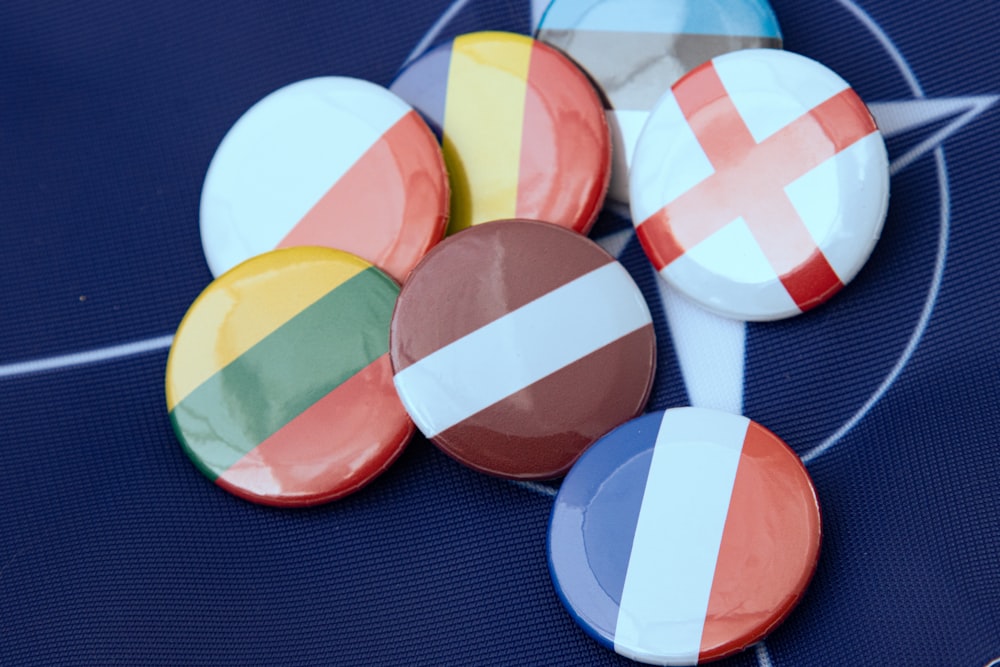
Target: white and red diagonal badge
{"type": "Point", "coordinates": [760, 184]}
{"type": "Point", "coordinates": [330, 161]}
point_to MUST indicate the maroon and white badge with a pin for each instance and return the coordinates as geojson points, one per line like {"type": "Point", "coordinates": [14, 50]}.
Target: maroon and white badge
{"type": "Point", "coordinates": [517, 344]}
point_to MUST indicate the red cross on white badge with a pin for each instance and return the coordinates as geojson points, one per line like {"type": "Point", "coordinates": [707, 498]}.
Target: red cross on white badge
{"type": "Point", "coordinates": [753, 181]}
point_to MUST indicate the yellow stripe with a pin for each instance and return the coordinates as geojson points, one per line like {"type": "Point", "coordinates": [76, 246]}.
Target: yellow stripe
{"type": "Point", "coordinates": [244, 305]}
{"type": "Point", "coordinates": [484, 114]}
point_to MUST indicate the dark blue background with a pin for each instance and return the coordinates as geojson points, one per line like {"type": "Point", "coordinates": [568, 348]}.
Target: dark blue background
{"type": "Point", "coordinates": [114, 550]}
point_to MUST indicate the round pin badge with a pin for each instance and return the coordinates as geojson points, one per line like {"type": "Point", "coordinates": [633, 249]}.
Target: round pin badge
{"type": "Point", "coordinates": [524, 132]}
{"type": "Point", "coordinates": [635, 49]}
{"type": "Point", "coordinates": [279, 384]}
{"type": "Point", "coordinates": [760, 184]}
{"type": "Point", "coordinates": [330, 161]}
{"type": "Point", "coordinates": [684, 536]}
{"type": "Point", "coordinates": [516, 344]}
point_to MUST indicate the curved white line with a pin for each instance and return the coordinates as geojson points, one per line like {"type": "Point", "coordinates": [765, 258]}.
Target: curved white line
{"type": "Point", "coordinates": [86, 357]}
{"type": "Point", "coordinates": [762, 654]}
{"type": "Point", "coordinates": [918, 333]}
{"type": "Point", "coordinates": [943, 235]}
{"type": "Point", "coordinates": [537, 488]}
{"type": "Point", "coordinates": [435, 30]}
{"type": "Point", "coordinates": [887, 44]}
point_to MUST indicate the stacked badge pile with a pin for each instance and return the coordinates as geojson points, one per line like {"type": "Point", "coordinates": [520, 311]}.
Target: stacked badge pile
{"type": "Point", "coordinates": [758, 186]}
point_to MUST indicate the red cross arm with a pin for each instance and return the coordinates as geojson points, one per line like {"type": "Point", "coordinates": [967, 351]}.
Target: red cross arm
{"type": "Point", "coordinates": [750, 179]}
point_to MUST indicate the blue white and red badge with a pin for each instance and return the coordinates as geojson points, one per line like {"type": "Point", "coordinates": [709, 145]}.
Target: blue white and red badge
{"type": "Point", "coordinates": [684, 536]}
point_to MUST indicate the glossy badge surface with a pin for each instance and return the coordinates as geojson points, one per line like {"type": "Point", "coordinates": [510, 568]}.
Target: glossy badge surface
{"type": "Point", "coordinates": [684, 536]}
{"type": "Point", "coordinates": [760, 184]}
{"type": "Point", "coordinates": [636, 49]}
{"type": "Point", "coordinates": [517, 344]}
{"type": "Point", "coordinates": [279, 384]}
{"type": "Point", "coordinates": [523, 130]}
{"type": "Point", "coordinates": [331, 161]}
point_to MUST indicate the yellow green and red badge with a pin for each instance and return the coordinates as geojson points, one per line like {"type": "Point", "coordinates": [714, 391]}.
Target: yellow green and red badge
{"type": "Point", "coordinates": [279, 384]}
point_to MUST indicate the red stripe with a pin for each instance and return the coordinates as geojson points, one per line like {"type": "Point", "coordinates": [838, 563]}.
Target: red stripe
{"type": "Point", "coordinates": [565, 146]}
{"type": "Point", "coordinates": [657, 238]}
{"type": "Point", "coordinates": [389, 208]}
{"type": "Point", "coordinates": [813, 282]}
{"type": "Point", "coordinates": [714, 119]}
{"type": "Point", "coordinates": [338, 445]}
{"type": "Point", "coordinates": [771, 528]}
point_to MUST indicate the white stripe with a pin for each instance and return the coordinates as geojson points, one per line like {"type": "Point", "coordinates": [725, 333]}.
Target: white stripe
{"type": "Point", "coordinates": [282, 156]}
{"type": "Point", "coordinates": [678, 534]}
{"type": "Point", "coordinates": [525, 345]}
{"type": "Point", "coordinates": [86, 357]}
{"type": "Point", "coordinates": [710, 350]}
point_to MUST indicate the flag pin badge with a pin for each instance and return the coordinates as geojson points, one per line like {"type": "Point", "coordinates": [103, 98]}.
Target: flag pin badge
{"type": "Point", "coordinates": [330, 161]}
{"type": "Point", "coordinates": [634, 50]}
{"type": "Point", "coordinates": [684, 536]}
{"type": "Point", "coordinates": [760, 184]}
{"type": "Point", "coordinates": [278, 382]}
{"type": "Point", "coordinates": [517, 344]}
{"type": "Point", "coordinates": [523, 130]}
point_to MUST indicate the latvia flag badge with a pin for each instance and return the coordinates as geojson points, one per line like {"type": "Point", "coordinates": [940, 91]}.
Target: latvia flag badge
{"type": "Point", "coordinates": [517, 344]}
{"type": "Point", "coordinates": [760, 184]}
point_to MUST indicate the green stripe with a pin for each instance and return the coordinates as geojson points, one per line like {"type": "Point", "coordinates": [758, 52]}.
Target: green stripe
{"type": "Point", "coordinates": [285, 373]}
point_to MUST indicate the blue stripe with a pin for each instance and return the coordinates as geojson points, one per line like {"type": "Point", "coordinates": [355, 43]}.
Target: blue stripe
{"type": "Point", "coordinates": [599, 502]}
{"type": "Point", "coordinates": [748, 18]}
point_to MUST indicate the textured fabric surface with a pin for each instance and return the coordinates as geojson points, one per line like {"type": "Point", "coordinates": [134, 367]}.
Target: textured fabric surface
{"type": "Point", "coordinates": [115, 550]}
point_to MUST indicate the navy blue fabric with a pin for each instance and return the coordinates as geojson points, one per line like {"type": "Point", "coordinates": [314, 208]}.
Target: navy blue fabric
{"type": "Point", "coordinates": [115, 550]}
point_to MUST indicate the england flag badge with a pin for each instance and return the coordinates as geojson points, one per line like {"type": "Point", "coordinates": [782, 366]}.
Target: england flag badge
{"type": "Point", "coordinates": [760, 184]}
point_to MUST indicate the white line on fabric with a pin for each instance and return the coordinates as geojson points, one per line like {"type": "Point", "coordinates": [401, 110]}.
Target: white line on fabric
{"type": "Point", "coordinates": [435, 30]}
{"type": "Point", "coordinates": [918, 333]}
{"type": "Point", "coordinates": [763, 656]}
{"type": "Point", "coordinates": [541, 489]}
{"type": "Point", "coordinates": [978, 106]}
{"type": "Point", "coordinates": [86, 357]}
{"type": "Point", "coordinates": [939, 267]}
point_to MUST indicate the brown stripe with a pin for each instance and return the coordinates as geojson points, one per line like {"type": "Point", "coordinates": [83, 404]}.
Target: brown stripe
{"type": "Point", "coordinates": [546, 426]}
{"type": "Point", "coordinates": [634, 69]}
{"type": "Point", "coordinates": [480, 274]}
